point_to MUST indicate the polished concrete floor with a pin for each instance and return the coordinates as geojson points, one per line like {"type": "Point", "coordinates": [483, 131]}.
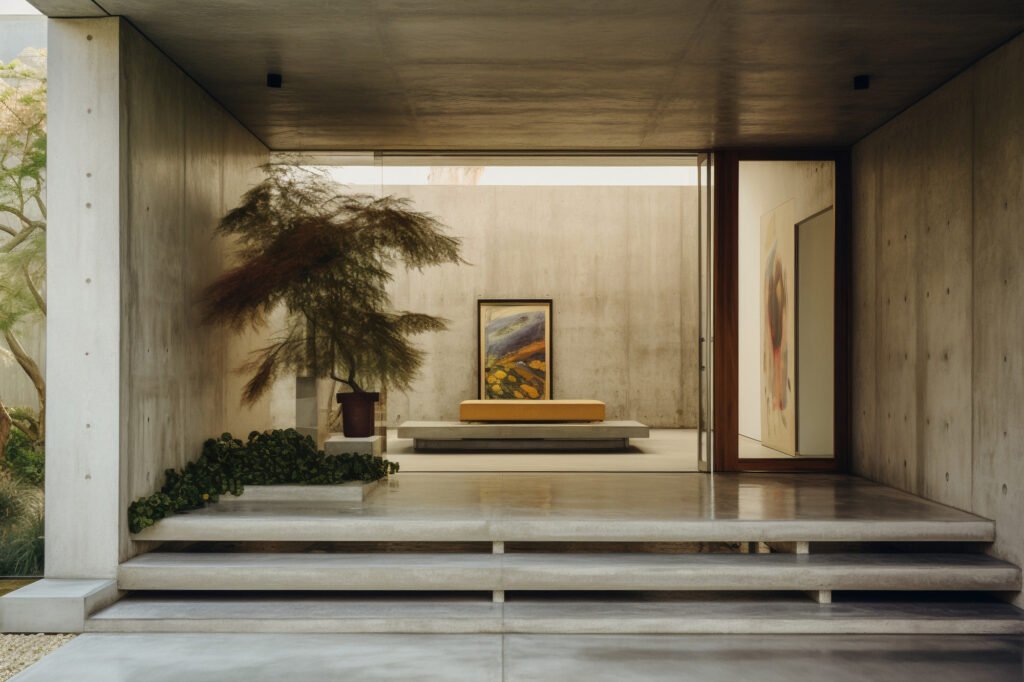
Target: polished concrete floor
{"type": "Point", "coordinates": [665, 450]}
{"type": "Point", "coordinates": [529, 658]}
{"type": "Point", "coordinates": [591, 506]}
{"type": "Point", "coordinates": [679, 497]}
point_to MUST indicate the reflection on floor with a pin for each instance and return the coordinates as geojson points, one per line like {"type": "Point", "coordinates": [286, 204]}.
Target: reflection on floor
{"type": "Point", "coordinates": [665, 450]}
{"type": "Point", "coordinates": [536, 658]}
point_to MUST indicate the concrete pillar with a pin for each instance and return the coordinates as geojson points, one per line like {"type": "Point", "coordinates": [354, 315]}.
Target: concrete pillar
{"type": "Point", "coordinates": [84, 361]}
{"type": "Point", "coordinates": [83, 339]}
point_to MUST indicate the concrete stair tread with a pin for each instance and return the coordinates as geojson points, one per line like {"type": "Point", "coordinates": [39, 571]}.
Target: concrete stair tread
{"type": "Point", "coordinates": [529, 571]}
{"type": "Point", "coordinates": [280, 522]}
{"type": "Point", "coordinates": [707, 613]}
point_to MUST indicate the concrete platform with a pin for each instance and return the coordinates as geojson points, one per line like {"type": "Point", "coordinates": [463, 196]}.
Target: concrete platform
{"type": "Point", "coordinates": [526, 436]}
{"type": "Point", "coordinates": [594, 507]}
{"type": "Point", "coordinates": [529, 658]}
{"type": "Point", "coordinates": [601, 571]}
{"type": "Point", "coordinates": [651, 613]}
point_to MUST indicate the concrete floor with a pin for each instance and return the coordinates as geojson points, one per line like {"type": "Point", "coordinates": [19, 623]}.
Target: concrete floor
{"type": "Point", "coordinates": [579, 613]}
{"type": "Point", "coordinates": [665, 450]}
{"type": "Point", "coordinates": [528, 658]}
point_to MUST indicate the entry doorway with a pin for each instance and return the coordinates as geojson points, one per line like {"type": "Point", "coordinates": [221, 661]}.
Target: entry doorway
{"type": "Point", "coordinates": [781, 319]}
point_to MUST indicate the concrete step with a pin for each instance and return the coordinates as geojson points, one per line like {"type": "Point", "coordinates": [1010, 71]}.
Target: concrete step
{"type": "Point", "coordinates": [648, 613]}
{"type": "Point", "coordinates": [496, 572]}
{"type": "Point", "coordinates": [283, 522]}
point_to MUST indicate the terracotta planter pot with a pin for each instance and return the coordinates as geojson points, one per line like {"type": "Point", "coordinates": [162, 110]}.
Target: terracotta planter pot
{"type": "Point", "coordinates": [357, 413]}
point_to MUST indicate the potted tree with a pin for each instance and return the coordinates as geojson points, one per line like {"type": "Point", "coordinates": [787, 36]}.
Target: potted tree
{"type": "Point", "coordinates": [325, 255]}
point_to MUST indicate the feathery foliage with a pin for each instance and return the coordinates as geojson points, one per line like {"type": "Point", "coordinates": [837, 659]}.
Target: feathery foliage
{"type": "Point", "coordinates": [326, 256]}
{"type": "Point", "coordinates": [22, 199]}
{"type": "Point", "coordinates": [22, 216]}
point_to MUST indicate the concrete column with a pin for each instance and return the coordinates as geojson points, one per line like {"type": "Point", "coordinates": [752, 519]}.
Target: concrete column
{"type": "Point", "coordinates": [83, 363]}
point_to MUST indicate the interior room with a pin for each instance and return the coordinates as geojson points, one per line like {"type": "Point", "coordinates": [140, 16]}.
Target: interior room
{"type": "Point", "coordinates": [608, 244]}
{"type": "Point", "coordinates": [786, 309]}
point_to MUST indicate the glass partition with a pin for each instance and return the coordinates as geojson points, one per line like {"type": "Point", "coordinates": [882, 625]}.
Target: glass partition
{"type": "Point", "coordinates": [706, 279]}
{"type": "Point", "coordinates": [607, 243]}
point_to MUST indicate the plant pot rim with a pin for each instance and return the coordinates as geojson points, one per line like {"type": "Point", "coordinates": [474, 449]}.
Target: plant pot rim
{"type": "Point", "coordinates": [369, 395]}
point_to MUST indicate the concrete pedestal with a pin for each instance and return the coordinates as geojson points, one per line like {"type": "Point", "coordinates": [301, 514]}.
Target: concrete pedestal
{"type": "Point", "coordinates": [338, 444]}
{"type": "Point", "coordinates": [55, 605]}
{"type": "Point", "coordinates": [353, 491]}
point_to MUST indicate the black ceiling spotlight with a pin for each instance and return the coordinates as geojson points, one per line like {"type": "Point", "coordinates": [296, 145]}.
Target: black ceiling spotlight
{"type": "Point", "coordinates": [861, 82]}
{"type": "Point", "coordinates": [274, 80]}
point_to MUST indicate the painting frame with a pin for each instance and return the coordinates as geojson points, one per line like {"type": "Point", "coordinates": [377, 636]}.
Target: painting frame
{"type": "Point", "coordinates": [544, 305]}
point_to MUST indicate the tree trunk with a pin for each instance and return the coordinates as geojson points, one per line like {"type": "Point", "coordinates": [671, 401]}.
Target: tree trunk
{"type": "Point", "coordinates": [34, 374]}
{"type": "Point", "coordinates": [5, 430]}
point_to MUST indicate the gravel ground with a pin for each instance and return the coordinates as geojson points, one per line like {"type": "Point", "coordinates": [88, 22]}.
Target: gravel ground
{"type": "Point", "coordinates": [18, 652]}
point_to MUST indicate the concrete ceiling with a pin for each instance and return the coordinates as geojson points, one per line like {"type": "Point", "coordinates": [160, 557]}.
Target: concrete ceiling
{"type": "Point", "coordinates": [565, 74]}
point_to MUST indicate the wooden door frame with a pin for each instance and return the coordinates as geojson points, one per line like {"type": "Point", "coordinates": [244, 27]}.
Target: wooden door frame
{"type": "Point", "coordinates": [726, 316]}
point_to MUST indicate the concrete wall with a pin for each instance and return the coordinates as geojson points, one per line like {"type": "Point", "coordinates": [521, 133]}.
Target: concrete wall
{"type": "Point", "coordinates": [764, 186]}
{"type": "Point", "coordinates": [620, 264]}
{"type": "Point", "coordinates": [18, 33]}
{"type": "Point", "coordinates": [188, 162]}
{"type": "Point", "coordinates": [938, 357]}
{"type": "Point", "coordinates": [142, 164]}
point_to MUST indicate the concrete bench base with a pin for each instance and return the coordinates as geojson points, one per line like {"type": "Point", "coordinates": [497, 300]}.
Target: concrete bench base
{"type": "Point", "coordinates": [461, 436]}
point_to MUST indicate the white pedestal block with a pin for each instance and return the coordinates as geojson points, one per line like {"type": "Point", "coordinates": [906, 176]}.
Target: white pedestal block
{"type": "Point", "coordinates": [55, 605]}
{"type": "Point", "coordinates": [338, 444]}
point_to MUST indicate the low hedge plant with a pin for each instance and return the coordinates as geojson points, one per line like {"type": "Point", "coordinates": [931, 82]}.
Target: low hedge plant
{"type": "Point", "coordinates": [227, 465]}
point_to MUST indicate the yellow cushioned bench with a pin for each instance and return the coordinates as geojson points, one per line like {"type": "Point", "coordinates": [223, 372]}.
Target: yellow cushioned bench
{"type": "Point", "coordinates": [531, 411]}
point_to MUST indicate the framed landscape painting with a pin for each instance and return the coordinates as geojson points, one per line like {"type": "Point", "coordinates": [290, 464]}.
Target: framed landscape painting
{"type": "Point", "coordinates": [514, 349]}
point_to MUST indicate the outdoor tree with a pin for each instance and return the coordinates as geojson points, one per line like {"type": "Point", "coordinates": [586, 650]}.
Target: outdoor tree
{"type": "Point", "coordinates": [22, 222]}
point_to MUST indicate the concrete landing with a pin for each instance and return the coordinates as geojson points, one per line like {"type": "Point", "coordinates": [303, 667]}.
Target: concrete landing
{"type": "Point", "coordinates": [599, 571]}
{"type": "Point", "coordinates": [656, 613]}
{"type": "Point", "coordinates": [572, 507]}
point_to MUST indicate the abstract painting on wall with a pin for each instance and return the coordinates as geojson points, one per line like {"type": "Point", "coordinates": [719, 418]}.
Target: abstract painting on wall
{"type": "Point", "coordinates": [514, 349]}
{"type": "Point", "coordinates": [778, 335]}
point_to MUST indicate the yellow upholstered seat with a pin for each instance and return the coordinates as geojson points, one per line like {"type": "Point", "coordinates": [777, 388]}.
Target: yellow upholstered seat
{"type": "Point", "coordinates": [531, 411]}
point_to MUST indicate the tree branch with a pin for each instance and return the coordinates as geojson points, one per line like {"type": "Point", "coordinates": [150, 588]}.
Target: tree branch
{"type": "Point", "coordinates": [32, 370]}
{"type": "Point", "coordinates": [40, 301]}
{"type": "Point", "coordinates": [12, 244]}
